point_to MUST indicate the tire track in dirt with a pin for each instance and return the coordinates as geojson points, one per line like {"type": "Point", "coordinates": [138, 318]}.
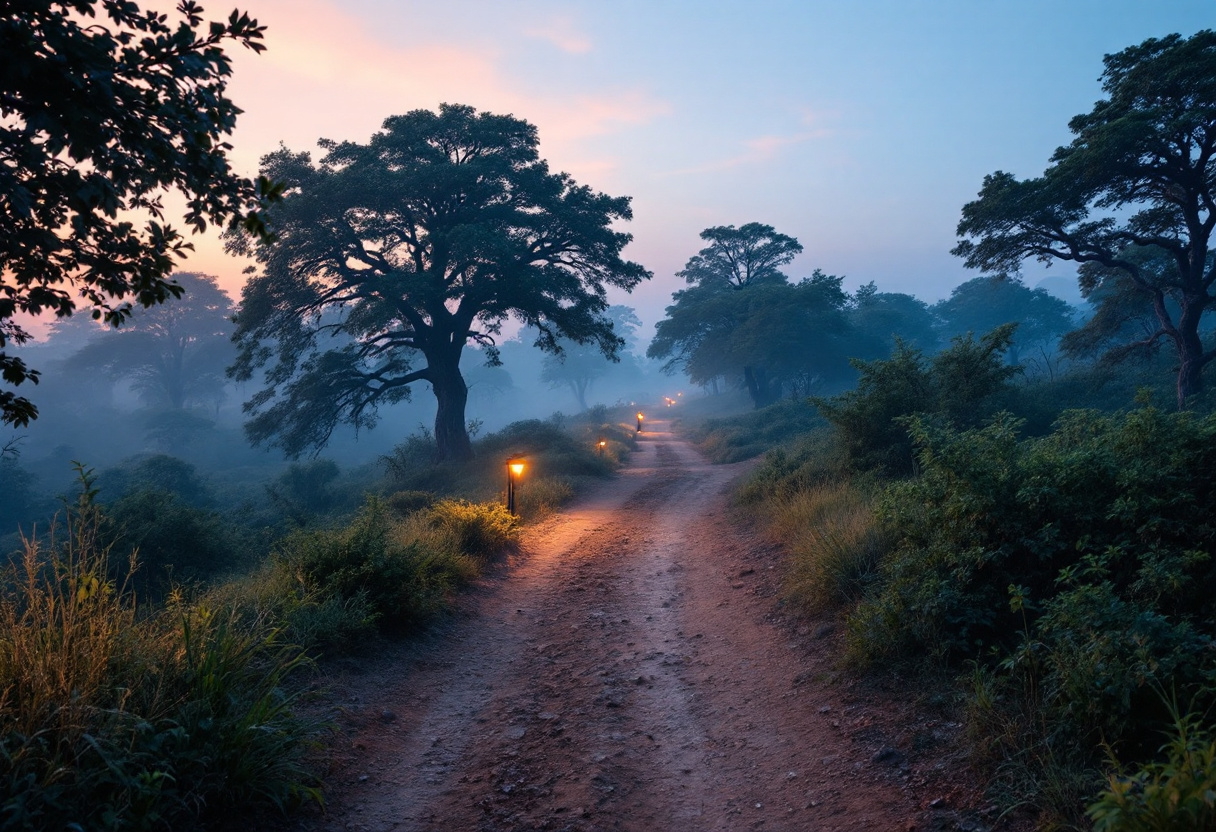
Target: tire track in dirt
{"type": "Point", "coordinates": [624, 673]}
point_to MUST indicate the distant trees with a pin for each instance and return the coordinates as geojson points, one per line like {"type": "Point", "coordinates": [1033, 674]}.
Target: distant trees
{"type": "Point", "coordinates": [101, 120]}
{"type": "Point", "coordinates": [578, 366]}
{"type": "Point", "coordinates": [982, 304]}
{"type": "Point", "coordinates": [1139, 177]}
{"type": "Point", "coordinates": [742, 319]}
{"type": "Point", "coordinates": [425, 238]}
{"type": "Point", "coordinates": [176, 354]}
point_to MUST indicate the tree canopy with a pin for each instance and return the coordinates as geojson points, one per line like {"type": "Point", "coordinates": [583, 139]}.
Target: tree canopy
{"type": "Point", "coordinates": [579, 366]}
{"type": "Point", "coordinates": [410, 246]}
{"type": "Point", "coordinates": [102, 118]}
{"type": "Point", "coordinates": [1139, 174]}
{"type": "Point", "coordinates": [742, 319]}
{"type": "Point", "coordinates": [984, 303]}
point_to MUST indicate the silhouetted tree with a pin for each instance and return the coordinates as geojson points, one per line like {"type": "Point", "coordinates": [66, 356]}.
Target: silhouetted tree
{"type": "Point", "coordinates": [101, 118]}
{"type": "Point", "coordinates": [1141, 173]}
{"type": "Point", "coordinates": [427, 237]}
{"type": "Point", "coordinates": [578, 366]}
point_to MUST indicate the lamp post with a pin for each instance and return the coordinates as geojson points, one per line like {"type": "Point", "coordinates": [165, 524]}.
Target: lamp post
{"type": "Point", "coordinates": [515, 468]}
{"type": "Point", "coordinates": [599, 447]}
{"type": "Point", "coordinates": [640, 417]}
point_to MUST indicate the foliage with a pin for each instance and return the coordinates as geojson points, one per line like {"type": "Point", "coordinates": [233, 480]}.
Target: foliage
{"type": "Point", "coordinates": [731, 439]}
{"type": "Point", "coordinates": [1177, 794]}
{"type": "Point", "coordinates": [175, 354]}
{"type": "Point", "coordinates": [741, 319]}
{"type": "Point", "coordinates": [984, 303]}
{"type": "Point", "coordinates": [959, 386]}
{"type": "Point", "coordinates": [427, 237]}
{"type": "Point", "coordinates": [578, 366]}
{"type": "Point", "coordinates": [177, 543]}
{"type": "Point", "coordinates": [112, 720]}
{"type": "Point", "coordinates": [879, 318]}
{"type": "Point", "coordinates": [1079, 564]}
{"type": "Point", "coordinates": [1137, 176]}
{"type": "Point", "coordinates": [103, 118]}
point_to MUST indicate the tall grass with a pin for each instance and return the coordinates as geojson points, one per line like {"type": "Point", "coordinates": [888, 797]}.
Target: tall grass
{"type": "Point", "coordinates": [834, 544]}
{"type": "Point", "coordinates": [115, 719]}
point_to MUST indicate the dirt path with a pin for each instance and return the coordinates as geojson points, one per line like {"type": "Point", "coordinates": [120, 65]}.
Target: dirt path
{"type": "Point", "coordinates": [626, 672]}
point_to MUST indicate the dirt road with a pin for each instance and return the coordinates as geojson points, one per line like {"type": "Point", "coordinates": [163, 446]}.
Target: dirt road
{"type": "Point", "coordinates": [626, 672]}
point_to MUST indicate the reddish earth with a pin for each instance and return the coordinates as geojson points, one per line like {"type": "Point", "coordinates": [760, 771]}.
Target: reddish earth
{"type": "Point", "coordinates": [631, 669]}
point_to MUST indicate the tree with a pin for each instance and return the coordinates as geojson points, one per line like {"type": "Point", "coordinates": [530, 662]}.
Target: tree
{"type": "Point", "coordinates": [882, 318]}
{"type": "Point", "coordinates": [696, 334]}
{"type": "Point", "coordinates": [578, 366]}
{"type": "Point", "coordinates": [742, 319]}
{"type": "Point", "coordinates": [101, 120]}
{"type": "Point", "coordinates": [1141, 173]}
{"type": "Point", "coordinates": [176, 354]}
{"type": "Point", "coordinates": [984, 303]}
{"type": "Point", "coordinates": [427, 237]}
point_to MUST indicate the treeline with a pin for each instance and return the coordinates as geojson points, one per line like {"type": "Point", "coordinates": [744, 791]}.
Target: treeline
{"type": "Point", "coordinates": [742, 322]}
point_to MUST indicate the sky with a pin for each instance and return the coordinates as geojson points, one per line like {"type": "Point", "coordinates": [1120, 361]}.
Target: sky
{"type": "Point", "coordinates": [860, 127]}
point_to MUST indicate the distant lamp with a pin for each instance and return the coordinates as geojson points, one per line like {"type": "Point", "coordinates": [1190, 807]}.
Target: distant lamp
{"type": "Point", "coordinates": [600, 447]}
{"type": "Point", "coordinates": [515, 469]}
{"type": "Point", "coordinates": [640, 418]}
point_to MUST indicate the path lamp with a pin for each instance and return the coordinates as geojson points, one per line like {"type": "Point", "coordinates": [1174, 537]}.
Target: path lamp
{"type": "Point", "coordinates": [515, 469]}
{"type": "Point", "coordinates": [599, 447]}
{"type": "Point", "coordinates": [640, 417]}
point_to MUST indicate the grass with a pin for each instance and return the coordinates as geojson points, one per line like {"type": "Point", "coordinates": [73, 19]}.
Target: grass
{"type": "Point", "coordinates": [116, 718]}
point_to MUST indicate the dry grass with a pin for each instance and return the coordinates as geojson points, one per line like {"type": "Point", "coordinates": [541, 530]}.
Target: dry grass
{"type": "Point", "coordinates": [834, 542]}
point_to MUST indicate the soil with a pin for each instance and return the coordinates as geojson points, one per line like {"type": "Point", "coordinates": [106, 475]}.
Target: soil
{"type": "Point", "coordinates": [632, 668]}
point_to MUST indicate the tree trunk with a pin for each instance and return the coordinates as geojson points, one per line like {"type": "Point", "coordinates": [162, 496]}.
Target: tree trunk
{"type": "Point", "coordinates": [1190, 355]}
{"type": "Point", "coordinates": [451, 393]}
{"type": "Point", "coordinates": [758, 386]}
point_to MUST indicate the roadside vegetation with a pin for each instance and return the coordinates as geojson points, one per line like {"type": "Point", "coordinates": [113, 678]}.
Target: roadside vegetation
{"type": "Point", "coordinates": [1063, 578]}
{"type": "Point", "coordinates": [153, 655]}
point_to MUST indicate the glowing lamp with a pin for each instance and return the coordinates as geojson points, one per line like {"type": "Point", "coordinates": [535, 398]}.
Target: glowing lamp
{"type": "Point", "coordinates": [515, 468]}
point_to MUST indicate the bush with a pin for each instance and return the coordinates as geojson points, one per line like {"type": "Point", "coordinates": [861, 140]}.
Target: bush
{"type": "Point", "coordinates": [755, 432]}
{"type": "Point", "coordinates": [960, 387]}
{"type": "Point", "coordinates": [1076, 569]}
{"type": "Point", "coordinates": [405, 503]}
{"type": "Point", "coordinates": [112, 720]}
{"type": "Point", "coordinates": [542, 496]}
{"type": "Point", "coordinates": [1177, 794]}
{"type": "Point", "coordinates": [177, 543]}
{"type": "Point", "coordinates": [459, 527]}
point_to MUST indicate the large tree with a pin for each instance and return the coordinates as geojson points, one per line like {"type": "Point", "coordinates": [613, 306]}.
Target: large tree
{"type": "Point", "coordinates": [100, 119]}
{"type": "Point", "coordinates": [175, 354]}
{"type": "Point", "coordinates": [1140, 174]}
{"type": "Point", "coordinates": [410, 246]}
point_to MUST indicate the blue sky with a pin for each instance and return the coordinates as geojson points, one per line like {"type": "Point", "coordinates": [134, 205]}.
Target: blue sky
{"type": "Point", "coordinates": [861, 128]}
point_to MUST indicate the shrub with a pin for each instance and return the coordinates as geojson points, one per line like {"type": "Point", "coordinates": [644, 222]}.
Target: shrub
{"type": "Point", "coordinates": [1177, 794]}
{"type": "Point", "coordinates": [405, 503]}
{"type": "Point", "coordinates": [755, 432]}
{"type": "Point", "coordinates": [961, 386]}
{"type": "Point", "coordinates": [477, 530]}
{"type": "Point", "coordinates": [542, 496]}
{"type": "Point", "coordinates": [176, 542]}
{"type": "Point", "coordinates": [834, 541]}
